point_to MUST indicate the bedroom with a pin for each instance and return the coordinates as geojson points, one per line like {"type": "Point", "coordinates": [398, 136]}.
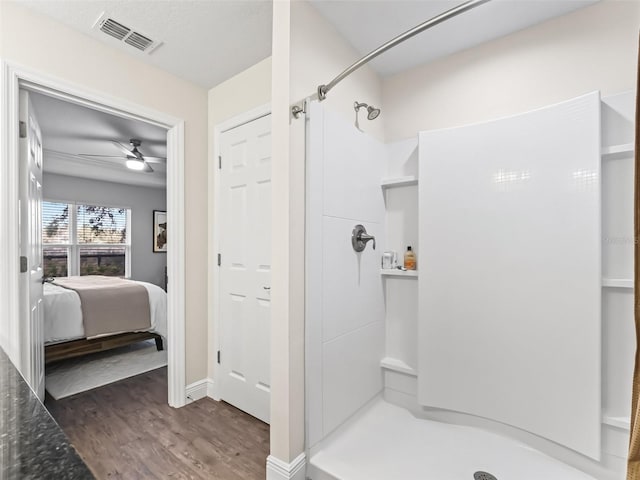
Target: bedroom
{"type": "Point", "coordinates": [101, 222]}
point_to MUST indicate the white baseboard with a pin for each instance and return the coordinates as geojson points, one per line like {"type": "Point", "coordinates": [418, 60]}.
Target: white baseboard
{"type": "Point", "coordinates": [279, 470]}
{"type": "Point", "coordinates": [212, 390]}
{"type": "Point", "coordinates": [200, 389]}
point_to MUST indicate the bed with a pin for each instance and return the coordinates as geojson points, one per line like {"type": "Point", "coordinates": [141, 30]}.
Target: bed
{"type": "Point", "coordinates": [64, 328]}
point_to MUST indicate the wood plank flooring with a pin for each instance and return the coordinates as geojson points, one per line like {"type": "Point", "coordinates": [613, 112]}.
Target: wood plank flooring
{"type": "Point", "coordinates": [127, 431]}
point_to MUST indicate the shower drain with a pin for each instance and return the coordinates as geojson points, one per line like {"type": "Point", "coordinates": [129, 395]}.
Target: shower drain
{"type": "Point", "coordinates": [483, 476]}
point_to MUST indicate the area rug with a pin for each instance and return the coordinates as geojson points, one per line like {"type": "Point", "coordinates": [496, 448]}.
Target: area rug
{"type": "Point", "coordinates": [76, 375]}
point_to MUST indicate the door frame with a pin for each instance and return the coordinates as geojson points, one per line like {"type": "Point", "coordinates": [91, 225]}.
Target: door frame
{"type": "Point", "coordinates": [213, 234]}
{"type": "Point", "coordinates": [14, 77]}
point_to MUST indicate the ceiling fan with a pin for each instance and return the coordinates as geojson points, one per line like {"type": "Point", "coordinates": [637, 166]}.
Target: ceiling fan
{"type": "Point", "coordinates": [135, 159]}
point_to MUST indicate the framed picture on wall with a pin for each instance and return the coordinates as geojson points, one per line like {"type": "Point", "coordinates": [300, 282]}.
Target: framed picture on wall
{"type": "Point", "coordinates": [159, 231]}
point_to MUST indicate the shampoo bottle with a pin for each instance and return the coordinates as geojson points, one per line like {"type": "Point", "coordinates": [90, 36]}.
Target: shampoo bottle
{"type": "Point", "coordinates": [409, 259]}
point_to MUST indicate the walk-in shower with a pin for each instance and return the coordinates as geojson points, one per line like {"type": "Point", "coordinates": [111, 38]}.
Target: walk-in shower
{"type": "Point", "coordinates": [487, 362]}
{"type": "Point", "coordinates": [470, 361]}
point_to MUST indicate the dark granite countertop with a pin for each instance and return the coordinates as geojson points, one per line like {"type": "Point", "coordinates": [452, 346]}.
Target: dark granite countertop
{"type": "Point", "coordinates": [32, 445]}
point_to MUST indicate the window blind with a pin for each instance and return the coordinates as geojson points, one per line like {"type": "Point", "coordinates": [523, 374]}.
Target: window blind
{"type": "Point", "coordinates": [98, 224]}
{"type": "Point", "coordinates": [55, 223]}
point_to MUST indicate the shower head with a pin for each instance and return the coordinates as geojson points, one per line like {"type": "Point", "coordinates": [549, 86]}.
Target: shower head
{"type": "Point", "coordinates": [372, 112]}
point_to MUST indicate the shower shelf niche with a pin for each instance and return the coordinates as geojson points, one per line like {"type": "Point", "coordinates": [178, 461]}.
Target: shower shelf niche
{"type": "Point", "coordinates": [399, 182]}
{"type": "Point", "coordinates": [617, 282]}
{"type": "Point", "coordinates": [615, 152]}
{"type": "Point", "coordinates": [619, 422]}
{"type": "Point", "coordinates": [390, 363]}
{"type": "Point", "coordinates": [389, 272]}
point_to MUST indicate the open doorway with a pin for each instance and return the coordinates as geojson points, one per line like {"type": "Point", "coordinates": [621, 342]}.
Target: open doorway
{"type": "Point", "coordinates": [103, 241]}
{"type": "Point", "coordinates": [24, 343]}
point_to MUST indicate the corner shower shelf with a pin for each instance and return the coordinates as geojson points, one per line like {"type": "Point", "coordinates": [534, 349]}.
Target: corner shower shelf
{"type": "Point", "coordinates": [394, 272]}
{"type": "Point", "coordinates": [615, 152]}
{"type": "Point", "coordinates": [399, 182]}
{"type": "Point", "coordinates": [619, 422]}
{"type": "Point", "coordinates": [390, 363]}
{"type": "Point", "coordinates": [617, 282]}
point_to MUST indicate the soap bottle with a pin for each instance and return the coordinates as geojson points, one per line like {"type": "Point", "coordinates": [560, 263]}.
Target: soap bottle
{"type": "Point", "coordinates": [409, 259]}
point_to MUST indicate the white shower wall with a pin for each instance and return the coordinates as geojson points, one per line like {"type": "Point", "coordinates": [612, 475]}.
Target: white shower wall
{"type": "Point", "coordinates": [618, 335]}
{"type": "Point", "coordinates": [510, 298]}
{"type": "Point", "coordinates": [345, 299]}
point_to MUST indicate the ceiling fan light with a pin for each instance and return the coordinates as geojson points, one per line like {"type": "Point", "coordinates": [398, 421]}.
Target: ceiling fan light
{"type": "Point", "coordinates": [135, 164]}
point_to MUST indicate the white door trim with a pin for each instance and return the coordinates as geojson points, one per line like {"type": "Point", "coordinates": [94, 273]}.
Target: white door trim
{"type": "Point", "coordinates": [13, 77]}
{"type": "Point", "coordinates": [213, 306]}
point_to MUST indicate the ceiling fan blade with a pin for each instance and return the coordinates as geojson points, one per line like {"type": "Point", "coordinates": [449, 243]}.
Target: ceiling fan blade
{"type": "Point", "coordinates": [126, 150]}
{"type": "Point", "coordinates": [99, 156]}
{"type": "Point", "coordinates": [155, 159]}
{"type": "Point", "coordinates": [147, 168]}
{"type": "Point", "coordinates": [79, 155]}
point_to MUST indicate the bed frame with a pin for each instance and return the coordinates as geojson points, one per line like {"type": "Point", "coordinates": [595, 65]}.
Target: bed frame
{"type": "Point", "coordinates": [84, 346]}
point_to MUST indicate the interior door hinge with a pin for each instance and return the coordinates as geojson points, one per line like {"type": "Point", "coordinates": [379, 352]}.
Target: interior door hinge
{"type": "Point", "coordinates": [23, 129]}
{"type": "Point", "coordinates": [24, 264]}
{"type": "Point", "coordinates": [220, 162]}
{"type": "Point", "coordinates": [219, 259]}
{"type": "Point", "coordinates": [218, 356]}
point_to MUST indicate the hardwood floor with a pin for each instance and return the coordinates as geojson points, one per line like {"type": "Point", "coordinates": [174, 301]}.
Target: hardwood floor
{"type": "Point", "coordinates": [127, 431]}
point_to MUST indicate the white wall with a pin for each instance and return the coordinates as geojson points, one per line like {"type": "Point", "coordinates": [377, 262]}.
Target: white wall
{"type": "Point", "coordinates": [243, 92]}
{"type": "Point", "coordinates": [594, 48]}
{"type": "Point", "coordinates": [287, 380]}
{"type": "Point", "coordinates": [146, 265]}
{"type": "Point", "coordinates": [44, 45]}
{"type": "Point", "coordinates": [345, 299]}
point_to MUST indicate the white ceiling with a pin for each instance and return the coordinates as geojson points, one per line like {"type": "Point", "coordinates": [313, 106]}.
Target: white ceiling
{"type": "Point", "coordinates": [69, 129]}
{"type": "Point", "coordinates": [209, 41]}
{"type": "Point", "coordinates": [367, 24]}
{"type": "Point", "coordinates": [204, 41]}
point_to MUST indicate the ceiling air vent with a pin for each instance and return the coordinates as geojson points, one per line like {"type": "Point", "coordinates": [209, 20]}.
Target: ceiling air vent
{"type": "Point", "coordinates": [113, 28]}
{"type": "Point", "coordinates": [125, 34]}
{"type": "Point", "coordinates": [139, 41]}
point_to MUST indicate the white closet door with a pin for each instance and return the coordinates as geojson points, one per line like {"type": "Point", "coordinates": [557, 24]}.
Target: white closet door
{"type": "Point", "coordinates": [245, 271]}
{"type": "Point", "coordinates": [509, 311]}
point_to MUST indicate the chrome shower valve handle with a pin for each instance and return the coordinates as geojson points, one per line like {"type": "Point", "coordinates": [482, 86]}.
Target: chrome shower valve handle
{"type": "Point", "coordinates": [360, 237]}
{"type": "Point", "coordinates": [365, 238]}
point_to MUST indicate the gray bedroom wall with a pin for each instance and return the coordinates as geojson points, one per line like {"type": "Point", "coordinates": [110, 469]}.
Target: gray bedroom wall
{"type": "Point", "coordinates": [145, 265]}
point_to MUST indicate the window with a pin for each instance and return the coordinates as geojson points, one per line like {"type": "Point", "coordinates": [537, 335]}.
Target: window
{"type": "Point", "coordinates": [81, 239]}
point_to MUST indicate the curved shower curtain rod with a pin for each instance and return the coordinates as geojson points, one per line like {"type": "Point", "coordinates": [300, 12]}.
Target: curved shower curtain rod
{"type": "Point", "coordinates": [464, 7]}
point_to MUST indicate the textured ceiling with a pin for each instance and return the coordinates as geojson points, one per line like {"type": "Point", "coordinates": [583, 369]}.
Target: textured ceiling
{"type": "Point", "coordinates": [209, 41]}
{"type": "Point", "coordinates": [204, 41]}
{"type": "Point", "coordinates": [69, 129]}
{"type": "Point", "coordinates": [367, 24]}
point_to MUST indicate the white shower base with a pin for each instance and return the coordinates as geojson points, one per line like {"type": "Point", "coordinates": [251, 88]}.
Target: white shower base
{"type": "Point", "coordinates": [386, 442]}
